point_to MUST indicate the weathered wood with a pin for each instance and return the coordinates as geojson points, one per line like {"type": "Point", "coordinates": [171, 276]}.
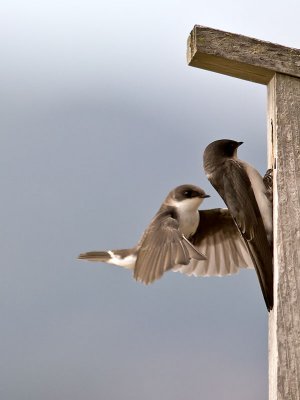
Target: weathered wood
{"type": "Point", "coordinates": [278, 67]}
{"type": "Point", "coordinates": [284, 323]}
{"type": "Point", "coordinates": [240, 56]}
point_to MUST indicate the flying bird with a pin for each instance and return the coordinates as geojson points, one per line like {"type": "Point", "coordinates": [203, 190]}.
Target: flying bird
{"type": "Point", "coordinates": [248, 200]}
{"type": "Point", "coordinates": [164, 243]}
{"type": "Point", "coordinates": [184, 239]}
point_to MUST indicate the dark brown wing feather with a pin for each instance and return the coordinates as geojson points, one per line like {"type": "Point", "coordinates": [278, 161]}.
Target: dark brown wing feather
{"type": "Point", "coordinates": [161, 248]}
{"type": "Point", "coordinates": [239, 197]}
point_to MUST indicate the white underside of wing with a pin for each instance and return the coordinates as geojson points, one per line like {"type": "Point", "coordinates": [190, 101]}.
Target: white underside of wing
{"type": "Point", "coordinates": [223, 258]}
{"type": "Point", "coordinates": [226, 254]}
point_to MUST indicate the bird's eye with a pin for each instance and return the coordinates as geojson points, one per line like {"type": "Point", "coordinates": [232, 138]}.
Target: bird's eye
{"type": "Point", "coordinates": [188, 193]}
{"type": "Point", "coordinates": [230, 149]}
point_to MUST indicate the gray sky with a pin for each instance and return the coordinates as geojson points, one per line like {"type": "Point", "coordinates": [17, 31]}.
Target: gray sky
{"type": "Point", "coordinates": [100, 118]}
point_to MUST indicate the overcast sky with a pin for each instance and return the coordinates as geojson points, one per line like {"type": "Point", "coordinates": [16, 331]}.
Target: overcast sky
{"type": "Point", "coordinates": [100, 118]}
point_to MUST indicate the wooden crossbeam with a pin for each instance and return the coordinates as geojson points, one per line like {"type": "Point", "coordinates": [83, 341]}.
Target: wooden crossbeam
{"type": "Point", "coordinates": [240, 56]}
{"type": "Point", "coordinates": [278, 67]}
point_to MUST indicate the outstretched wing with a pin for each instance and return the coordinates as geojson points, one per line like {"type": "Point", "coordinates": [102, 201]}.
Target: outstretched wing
{"type": "Point", "coordinates": [161, 248]}
{"type": "Point", "coordinates": [219, 239]}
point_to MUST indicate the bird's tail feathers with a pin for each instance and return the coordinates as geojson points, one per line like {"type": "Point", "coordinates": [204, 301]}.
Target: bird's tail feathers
{"type": "Point", "coordinates": [264, 268]}
{"type": "Point", "coordinates": [123, 258]}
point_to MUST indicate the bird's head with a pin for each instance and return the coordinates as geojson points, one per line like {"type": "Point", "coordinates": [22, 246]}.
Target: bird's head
{"type": "Point", "coordinates": [217, 151]}
{"type": "Point", "coordinates": [186, 197]}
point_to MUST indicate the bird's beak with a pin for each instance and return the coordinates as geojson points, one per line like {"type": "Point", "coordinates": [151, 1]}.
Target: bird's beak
{"type": "Point", "coordinates": [205, 196]}
{"type": "Point", "coordinates": [239, 143]}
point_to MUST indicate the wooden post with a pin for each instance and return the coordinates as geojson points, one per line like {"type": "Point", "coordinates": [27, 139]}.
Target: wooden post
{"type": "Point", "coordinates": [278, 67]}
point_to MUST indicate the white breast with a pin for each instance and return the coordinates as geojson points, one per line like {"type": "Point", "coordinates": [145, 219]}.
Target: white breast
{"type": "Point", "coordinates": [188, 223]}
{"type": "Point", "coordinates": [188, 215]}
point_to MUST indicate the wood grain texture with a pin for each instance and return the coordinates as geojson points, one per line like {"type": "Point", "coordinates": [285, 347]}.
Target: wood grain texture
{"type": "Point", "coordinates": [278, 67]}
{"type": "Point", "coordinates": [240, 56]}
{"type": "Point", "coordinates": [284, 322]}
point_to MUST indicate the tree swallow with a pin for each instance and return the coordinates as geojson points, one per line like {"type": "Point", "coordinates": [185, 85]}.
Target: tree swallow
{"type": "Point", "coordinates": [164, 243]}
{"type": "Point", "coordinates": [184, 239]}
{"type": "Point", "coordinates": [246, 196]}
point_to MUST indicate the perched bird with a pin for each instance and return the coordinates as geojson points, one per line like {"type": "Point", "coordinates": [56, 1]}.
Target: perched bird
{"type": "Point", "coordinates": [184, 239]}
{"type": "Point", "coordinates": [246, 196]}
